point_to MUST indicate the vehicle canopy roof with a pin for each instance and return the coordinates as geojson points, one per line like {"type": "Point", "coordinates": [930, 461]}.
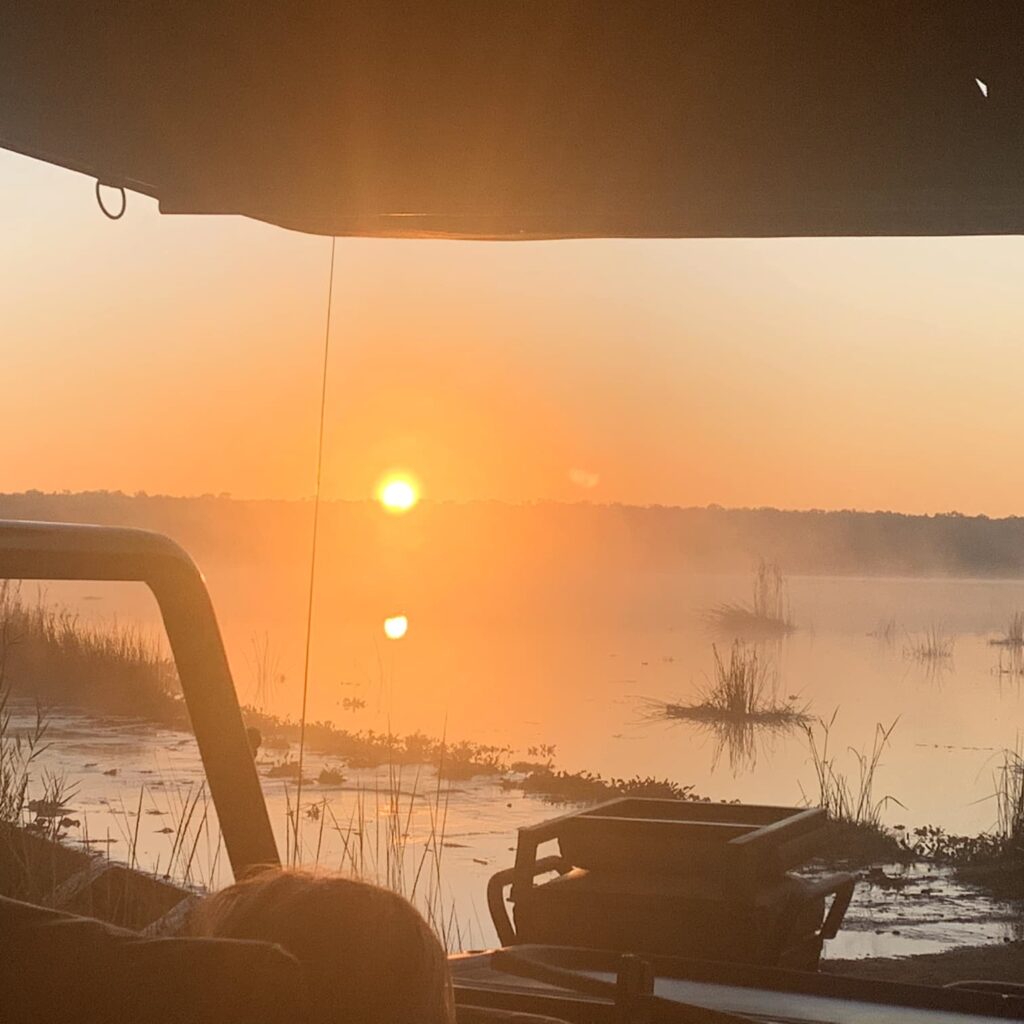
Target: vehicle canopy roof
{"type": "Point", "coordinates": [517, 119]}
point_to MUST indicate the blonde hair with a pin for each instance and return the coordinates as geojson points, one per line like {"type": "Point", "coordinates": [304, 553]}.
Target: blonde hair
{"type": "Point", "coordinates": [368, 955]}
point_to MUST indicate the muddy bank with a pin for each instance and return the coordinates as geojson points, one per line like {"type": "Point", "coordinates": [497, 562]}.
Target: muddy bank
{"type": "Point", "coordinates": [909, 910]}
{"type": "Point", "coordinates": [981, 963]}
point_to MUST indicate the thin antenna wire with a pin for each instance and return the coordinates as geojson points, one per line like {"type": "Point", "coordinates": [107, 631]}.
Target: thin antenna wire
{"type": "Point", "coordinates": [296, 852]}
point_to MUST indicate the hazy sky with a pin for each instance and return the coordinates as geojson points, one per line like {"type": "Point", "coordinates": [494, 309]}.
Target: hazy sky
{"type": "Point", "coordinates": [182, 355]}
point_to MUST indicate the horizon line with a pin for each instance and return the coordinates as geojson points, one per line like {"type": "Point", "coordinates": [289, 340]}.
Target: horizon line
{"type": "Point", "coordinates": [225, 496]}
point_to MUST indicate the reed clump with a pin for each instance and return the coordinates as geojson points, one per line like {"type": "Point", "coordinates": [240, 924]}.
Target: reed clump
{"type": "Point", "coordinates": [886, 631]}
{"type": "Point", "coordinates": [1011, 663]}
{"type": "Point", "coordinates": [934, 645]}
{"type": "Point", "coordinates": [744, 688]}
{"type": "Point", "coordinates": [767, 615]}
{"type": "Point", "coordinates": [558, 786]}
{"type": "Point", "coordinates": [371, 749]}
{"type": "Point", "coordinates": [1014, 635]}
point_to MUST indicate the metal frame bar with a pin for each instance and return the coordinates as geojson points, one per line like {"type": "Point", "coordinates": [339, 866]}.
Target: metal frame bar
{"type": "Point", "coordinates": [478, 983]}
{"type": "Point", "coordinates": [63, 551]}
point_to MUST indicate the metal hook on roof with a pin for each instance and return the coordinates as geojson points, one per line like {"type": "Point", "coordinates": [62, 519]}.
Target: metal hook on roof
{"type": "Point", "coordinates": [102, 206]}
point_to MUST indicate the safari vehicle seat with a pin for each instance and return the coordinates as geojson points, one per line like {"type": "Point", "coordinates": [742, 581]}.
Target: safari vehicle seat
{"type": "Point", "coordinates": [55, 966]}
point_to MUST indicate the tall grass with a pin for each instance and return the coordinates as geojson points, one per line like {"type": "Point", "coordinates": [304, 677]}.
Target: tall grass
{"type": "Point", "coordinates": [49, 650]}
{"type": "Point", "coordinates": [18, 750]}
{"type": "Point", "coordinates": [767, 615]}
{"type": "Point", "coordinates": [849, 798]}
{"type": "Point", "coordinates": [53, 655]}
{"type": "Point", "coordinates": [1009, 796]}
{"type": "Point", "coordinates": [265, 664]}
{"type": "Point", "coordinates": [49, 812]}
{"type": "Point", "coordinates": [196, 844]}
{"type": "Point", "coordinates": [392, 834]}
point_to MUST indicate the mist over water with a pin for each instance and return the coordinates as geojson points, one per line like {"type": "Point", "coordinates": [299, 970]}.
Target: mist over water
{"type": "Point", "coordinates": [578, 671]}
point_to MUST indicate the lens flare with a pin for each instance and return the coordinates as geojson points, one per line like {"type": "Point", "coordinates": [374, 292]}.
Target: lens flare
{"type": "Point", "coordinates": [398, 493]}
{"type": "Point", "coordinates": [396, 627]}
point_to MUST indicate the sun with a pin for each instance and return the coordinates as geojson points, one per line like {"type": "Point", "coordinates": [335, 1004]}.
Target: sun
{"type": "Point", "coordinates": [396, 627]}
{"type": "Point", "coordinates": [398, 493]}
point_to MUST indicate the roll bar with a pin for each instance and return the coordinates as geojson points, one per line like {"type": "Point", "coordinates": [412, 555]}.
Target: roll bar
{"type": "Point", "coordinates": [65, 551]}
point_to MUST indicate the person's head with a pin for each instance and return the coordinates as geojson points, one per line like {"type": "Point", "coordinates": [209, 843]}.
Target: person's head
{"type": "Point", "coordinates": [367, 954]}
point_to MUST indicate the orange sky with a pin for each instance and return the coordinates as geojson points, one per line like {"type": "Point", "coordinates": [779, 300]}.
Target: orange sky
{"type": "Point", "coordinates": [181, 355]}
